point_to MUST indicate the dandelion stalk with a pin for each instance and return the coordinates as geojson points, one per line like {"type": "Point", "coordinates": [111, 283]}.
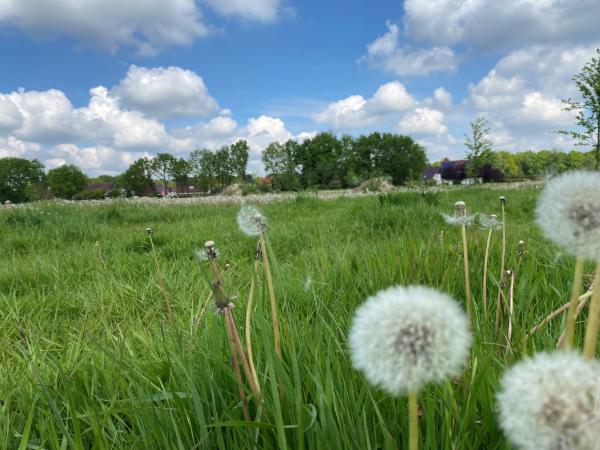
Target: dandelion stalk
{"type": "Point", "coordinates": [485, 273]}
{"type": "Point", "coordinates": [500, 297]}
{"type": "Point", "coordinates": [269, 278]}
{"type": "Point", "coordinates": [466, 265]}
{"type": "Point", "coordinates": [248, 326]}
{"type": "Point", "coordinates": [224, 307]}
{"type": "Point", "coordinates": [413, 422]}
{"type": "Point", "coordinates": [574, 300]}
{"type": "Point", "coordinates": [593, 324]}
{"type": "Point", "coordinates": [161, 278]}
{"type": "Point", "coordinates": [511, 296]}
{"type": "Point", "coordinates": [236, 368]}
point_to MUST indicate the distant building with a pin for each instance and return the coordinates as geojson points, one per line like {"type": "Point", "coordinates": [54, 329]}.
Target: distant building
{"type": "Point", "coordinates": [432, 174]}
{"type": "Point", "coordinates": [106, 186]}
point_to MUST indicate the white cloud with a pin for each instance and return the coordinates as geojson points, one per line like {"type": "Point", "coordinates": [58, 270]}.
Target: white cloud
{"type": "Point", "coordinates": [442, 97]}
{"type": "Point", "coordinates": [423, 121]}
{"type": "Point", "coordinates": [11, 146]}
{"type": "Point", "coordinates": [355, 111]}
{"type": "Point", "coordinates": [487, 24]}
{"type": "Point", "coordinates": [10, 116]}
{"type": "Point", "coordinates": [165, 92]}
{"type": "Point", "coordinates": [261, 10]}
{"type": "Point", "coordinates": [497, 91]}
{"type": "Point", "coordinates": [146, 25]}
{"type": "Point", "coordinates": [386, 53]}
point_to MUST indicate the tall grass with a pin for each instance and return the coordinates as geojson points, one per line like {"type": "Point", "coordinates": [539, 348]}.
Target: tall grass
{"type": "Point", "coordinates": [90, 360]}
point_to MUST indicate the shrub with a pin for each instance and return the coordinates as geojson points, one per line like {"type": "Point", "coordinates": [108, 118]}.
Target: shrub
{"type": "Point", "coordinates": [92, 194]}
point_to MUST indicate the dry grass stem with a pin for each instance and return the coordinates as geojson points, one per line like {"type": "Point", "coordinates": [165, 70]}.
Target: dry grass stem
{"type": "Point", "coordinates": [571, 315]}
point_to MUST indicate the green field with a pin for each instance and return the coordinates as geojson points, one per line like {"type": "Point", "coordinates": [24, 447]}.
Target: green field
{"type": "Point", "coordinates": [90, 359]}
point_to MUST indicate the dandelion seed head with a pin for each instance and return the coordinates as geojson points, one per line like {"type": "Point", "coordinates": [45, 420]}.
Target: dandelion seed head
{"type": "Point", "coordinates": [568, 212]}
{"type": "Point", "coordinates": [502, 199]}
{"type": "Point", "coordinates": [552, 401]}
{"type": "Point", "coordinates": [404, 337]}
{"type": "Point", "coordinates": [210, 251]}
{"type": "Point", "coordinates": [460, 215]}
{"type": "Point", "coordinates": [489, 222]}
{"type": "Point", "coordinates": [251, 221]}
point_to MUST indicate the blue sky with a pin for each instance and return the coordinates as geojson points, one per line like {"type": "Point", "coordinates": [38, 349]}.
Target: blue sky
{"type": "Point", "coordinates": [100, 83]}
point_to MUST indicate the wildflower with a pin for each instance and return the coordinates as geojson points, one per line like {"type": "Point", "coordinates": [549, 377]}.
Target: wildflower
{"type": "Point", "coordinates": [404, 337]}
{"type": "Point", "coordinates": [552, 401]}
{"type": "Point", "coordinates": [568, 212]}
{"type": "Point", "coordinates": [460, 215]}
{"type": "Point", "coordinates": [251, 221]}
{"type": "Point", "coordinates": [489, 222]}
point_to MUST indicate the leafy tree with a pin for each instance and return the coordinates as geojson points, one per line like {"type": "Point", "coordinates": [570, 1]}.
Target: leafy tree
{"type": "Point", "coordinates": [280, 162]}
{"type": "Point", "coordinates": [222, 164]}
{"type": "Point", "coordinates": [203, 168]}
{"type": "Point", "coordinates": [238, 158]}
{"type": "Point", "coordinates": [137, 178]}
{"type": "Point", "coordinates": [66, 181]}
{"type": "Point", "coordinates": [318, 159]}
{"type": "Point", "coordinates": [479, 147]}
{"type": "Point", "coordinates": [181, 173]}
{"type": "Point", "coordinates": [588, 110]}
{"type": "Point", "coordinates": [401, 158]}
{"type": "Point", "coordinates": [18, 178]}
{"type": "Point", "coordinates": [161, 167]}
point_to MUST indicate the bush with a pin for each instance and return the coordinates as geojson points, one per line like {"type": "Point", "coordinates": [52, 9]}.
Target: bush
{"type": "Point", "coordinates": [92, 194]}
{"type": "Point", "coordinates": [248, 188]}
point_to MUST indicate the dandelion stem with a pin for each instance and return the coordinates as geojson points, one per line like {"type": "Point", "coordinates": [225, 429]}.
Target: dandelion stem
{"type": "Point", "coordinates": [502, 265]}
{"type": "Point", "coordinates": [593, 324]}
{"type": "Point", "coordinates": [511, 296]}
{"type": "Point", "coordinates": [466, 264]}
{"type": "Point", "coordinates": [485, 270]}
{"type": "Point", "coordinates": [274, 315]}
{"type": "Point", "coordinates": [413, 422]}
{"type": "Point", "coordinates": [574, 300]}
{"type": "Point", "coordinates": [236, 367]}
{"type": "Point", "coordinates": [254, 388]}
{"type": "Point", "coordinates": [161, 279]}
{"type": "Point", "coordinates": [248, 324]}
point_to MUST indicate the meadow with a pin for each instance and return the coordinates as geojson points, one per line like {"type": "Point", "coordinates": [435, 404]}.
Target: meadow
{"type": "Point", "coordinates": [90, 359]}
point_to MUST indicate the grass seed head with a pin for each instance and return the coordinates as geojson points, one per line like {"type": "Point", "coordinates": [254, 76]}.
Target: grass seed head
{"type": "Point", "coordinates": [552, 401]}
{"type": "Point", "coordinates": [404, 337]}
{"type": "Point", "coordinates": [568, 212]}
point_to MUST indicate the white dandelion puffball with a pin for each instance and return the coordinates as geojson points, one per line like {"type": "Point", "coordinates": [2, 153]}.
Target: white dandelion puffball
{"type": "Point", "coordinates": [251, 221]}
{"type": "Point", "coordinates": [568, 213]}
{"type": "Point", "coordinates": [489, 222]}
{"type": "Point", "coordinates": [552, 402]}
{"type": "Point", "coordinates": [460, 215]}
{"type": "Point", "coordinates": [404, 337]}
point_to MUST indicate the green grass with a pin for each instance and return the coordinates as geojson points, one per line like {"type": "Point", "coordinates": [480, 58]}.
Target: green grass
{"type": "Point", "coordinates": [90, 360]}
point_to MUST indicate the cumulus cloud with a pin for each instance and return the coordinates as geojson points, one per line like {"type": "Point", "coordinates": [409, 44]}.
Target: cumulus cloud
{"type": "Point", "coordinates": [355, 111]}
{"type": "Point", "coordinates": [423, 121]}
{"type": "Point", "coordinates": [165, 92]}
{"type": "Point", "coordinates": [387, 54]}
{"type": "Point", "coordinates": [484, 24]}
{"type": "Point", "coordinates": [261, 10]}
{"type": "Point", "coordinates": [146, 25]}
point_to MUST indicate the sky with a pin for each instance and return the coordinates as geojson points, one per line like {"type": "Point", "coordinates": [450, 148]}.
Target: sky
{"type": "Point", "coordinates": [101, 83]}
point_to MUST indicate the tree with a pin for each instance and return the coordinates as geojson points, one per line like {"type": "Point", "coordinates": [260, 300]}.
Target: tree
{"type": "Point", "coordinates": [161, 167]}
{"type": "Point", "coordinates": [588, 110]}
{"type": "Point", "coordinates": [203, 168]}
{"type": "Point", "coordinates": [181, 172]}
{"type": "Point", "coordinates": [66, 181]}
{"type": "Point", "coordinates": [280, 162]}
{"type": "Point", "coordinates": [19, 178]}
{"type": "Point", "coordinates": [479, 147]}
{"type": "Point", "coordinates": [137, 178]}
{"type": "Point", "coordinates": [238, 158]}
{"type": "Point", "coordinates": [401, 158]}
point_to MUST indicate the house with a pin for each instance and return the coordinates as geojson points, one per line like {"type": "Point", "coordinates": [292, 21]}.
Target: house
{"type": "Point", "coordinates": [432, 174]}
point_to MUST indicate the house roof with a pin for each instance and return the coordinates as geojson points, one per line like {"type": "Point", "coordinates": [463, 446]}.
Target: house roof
{"type": "Point", "coordinates": [106, 186]}
{"type": "Point", "coordinates": [430, 172]}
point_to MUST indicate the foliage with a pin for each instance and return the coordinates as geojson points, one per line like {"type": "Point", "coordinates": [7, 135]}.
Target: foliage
{"type": "Point", "coordinates": [588, 110]}
{"type": "Point", "coordinates": [137, 178]}
{"type": "Point", "coordinates": [66, 181]}
{"type": "Point", "coordinates": [479, 147]}
{"type": "Point", "coordinates": [92, 194]}
{"type": "Point", "coordinates": [19, 178]}
{"type": "Point", "coordinates": [162, 166]}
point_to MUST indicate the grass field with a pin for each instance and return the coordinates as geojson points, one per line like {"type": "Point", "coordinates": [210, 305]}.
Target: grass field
{"type": "Point", "coordinates": [90, 360]}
